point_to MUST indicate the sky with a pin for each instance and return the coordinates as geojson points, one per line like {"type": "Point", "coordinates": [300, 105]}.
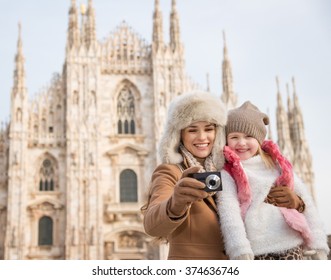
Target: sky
{"type": "Point", "coordinates": [265, 39]}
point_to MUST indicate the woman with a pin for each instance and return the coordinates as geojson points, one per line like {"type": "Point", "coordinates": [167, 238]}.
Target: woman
{"type": "Point", "coordinates": [178, 209]}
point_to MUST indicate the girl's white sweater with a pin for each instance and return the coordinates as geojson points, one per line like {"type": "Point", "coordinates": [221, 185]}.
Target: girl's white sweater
{"type": "Point", "coordinates": [264, 229]}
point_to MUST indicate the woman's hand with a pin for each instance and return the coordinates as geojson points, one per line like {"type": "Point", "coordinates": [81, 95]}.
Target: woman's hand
{"type": "Point", "coordinates": [186, 191]}
{"type": "Point", "coordinates": [283, 196]}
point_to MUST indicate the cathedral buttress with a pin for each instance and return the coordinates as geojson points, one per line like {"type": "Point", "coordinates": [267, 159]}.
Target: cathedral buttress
{"type": "Point", "coordinates": [169, 78]}
{"type": "Point", "coordinates": [81, 77]}
{"type": "Point", "coordinates": [17, 184]}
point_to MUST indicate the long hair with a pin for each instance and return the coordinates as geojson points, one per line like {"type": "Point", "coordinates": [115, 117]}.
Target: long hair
{"type": "Point", "coordinates": [266, 158]}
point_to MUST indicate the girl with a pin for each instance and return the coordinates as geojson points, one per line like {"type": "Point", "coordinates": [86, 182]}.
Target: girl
{"type": "Point", "coordinates": [255, 225]}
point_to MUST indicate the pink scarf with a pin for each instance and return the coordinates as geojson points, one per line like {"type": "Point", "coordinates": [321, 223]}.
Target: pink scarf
{"type": "Point", "coordinates": [233, 166]}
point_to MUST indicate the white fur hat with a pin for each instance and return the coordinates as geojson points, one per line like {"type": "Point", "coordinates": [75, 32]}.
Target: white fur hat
{"type": "Point", "coordinates": [186, 109]}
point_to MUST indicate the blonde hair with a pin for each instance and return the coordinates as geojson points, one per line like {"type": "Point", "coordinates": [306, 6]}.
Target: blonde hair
{"type": "Point", "coordinates": [266, 158]}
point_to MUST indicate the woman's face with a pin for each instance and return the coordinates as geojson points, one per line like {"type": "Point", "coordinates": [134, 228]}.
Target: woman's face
{"type": "Point", "coordinates": [198, 138]}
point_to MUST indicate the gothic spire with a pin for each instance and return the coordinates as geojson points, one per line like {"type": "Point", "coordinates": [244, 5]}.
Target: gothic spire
{"type": "Point", "coordinates": [90, 36]}
{"type": "Point", "coordinates": [297, 116]}
{"type": "Point", "coordinates": [82, 24]}
{"type": "Point", "coordinates": [157, 27]}
{"type": "Point", "coordinates": [279, 97]}
{"type": "Point", "coordinates": [19, 91]}
{"type": "Point", "coordinates": [19, 72]}
{"type": "Point", "coordinates": [73, 29]}
{"type": "Point", "coordinates": [289, 101]}
{"type": "Point", "coordinates": [270, 136]}
{"type": "Point", "coordinates": [175, 43]}
{"type": "Point", "coordinates": [228, 95]}
{"type": "Point", "coordinates": [302, 157]}
{"type": "Point", "coordinates": [283, 130]}
{"type": "Point", "coordinates": [289, 112]}
{"type": "Point", "coordinates": [2, 138]}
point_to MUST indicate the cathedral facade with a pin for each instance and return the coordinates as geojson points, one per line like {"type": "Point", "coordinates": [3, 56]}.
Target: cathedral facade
{"type": "Point", "coordinates": [76, 161]}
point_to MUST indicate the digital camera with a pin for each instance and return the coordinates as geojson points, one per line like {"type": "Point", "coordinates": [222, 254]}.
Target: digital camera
{"type": "Point", "coordinates": [212, 180]}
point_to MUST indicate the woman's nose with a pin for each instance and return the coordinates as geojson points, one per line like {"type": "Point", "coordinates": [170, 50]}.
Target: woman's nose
{"type": "Point", "coordinates": [202, 135]}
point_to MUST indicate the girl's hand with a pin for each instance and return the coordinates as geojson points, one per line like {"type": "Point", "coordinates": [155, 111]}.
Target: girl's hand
{"type": "Point", "coordinates": [283, 196]}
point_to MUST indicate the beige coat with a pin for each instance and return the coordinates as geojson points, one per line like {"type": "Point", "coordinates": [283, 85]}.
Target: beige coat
{"type": "Point", "coordinates": [195, 236]}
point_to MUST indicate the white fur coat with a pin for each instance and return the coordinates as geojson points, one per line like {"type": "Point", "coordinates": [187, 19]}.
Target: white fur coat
{"type": "Point", "coordinates": [264, 229]}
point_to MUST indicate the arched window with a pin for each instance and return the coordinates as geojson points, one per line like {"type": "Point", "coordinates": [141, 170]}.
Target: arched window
{"type": "Point", "coordinates": [126, 127]}
{"type": "Point", "coordinates": [126, 112]}
{"type": "Point", "coordinates": [45, 231]}
{"type": "Point", "coordinates": [43, 125]}
{"type": "Point", "coordinates": [132, 127]}
{"type": "Point", "coordinates": [128, 186]}
{"type": "Point", "coordinates": [46, 176]}
{"type": "Point", "coordinates": [119, 126]}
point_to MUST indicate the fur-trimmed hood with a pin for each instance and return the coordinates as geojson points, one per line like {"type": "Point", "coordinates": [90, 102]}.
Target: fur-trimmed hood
{"type": "Point", "coordinates": [186, 109]}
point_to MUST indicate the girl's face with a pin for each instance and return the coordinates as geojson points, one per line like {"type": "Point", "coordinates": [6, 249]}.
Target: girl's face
{"type": "Point", "coordinates": [245, 146]}
{"type": "Point", "coordinates": [198, 138]}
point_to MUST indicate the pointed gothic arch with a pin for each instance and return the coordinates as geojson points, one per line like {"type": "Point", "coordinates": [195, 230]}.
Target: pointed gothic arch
{"type": "Point", "coordinates": [127, 108]}
{"type": "Point", "coordinates": [47, 174]}
{"type": "Point", "coordinates": [126, 111]}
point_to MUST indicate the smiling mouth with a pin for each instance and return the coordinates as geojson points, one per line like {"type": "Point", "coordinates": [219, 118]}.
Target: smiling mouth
{"type": "Point", "coordinates": [242, 151]}
{"type": "Point", "coordinates": [201, 145]}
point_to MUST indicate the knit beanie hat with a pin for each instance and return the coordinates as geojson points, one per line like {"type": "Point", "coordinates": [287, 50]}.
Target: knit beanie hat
{"type": "Point", "coordinates": [186, 109]}
{"type": "Point", "coordinates": [248, 119]}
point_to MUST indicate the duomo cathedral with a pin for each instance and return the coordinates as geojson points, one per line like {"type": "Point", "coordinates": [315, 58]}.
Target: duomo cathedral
{"type": "Point", "coordinates": [75, 162]}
